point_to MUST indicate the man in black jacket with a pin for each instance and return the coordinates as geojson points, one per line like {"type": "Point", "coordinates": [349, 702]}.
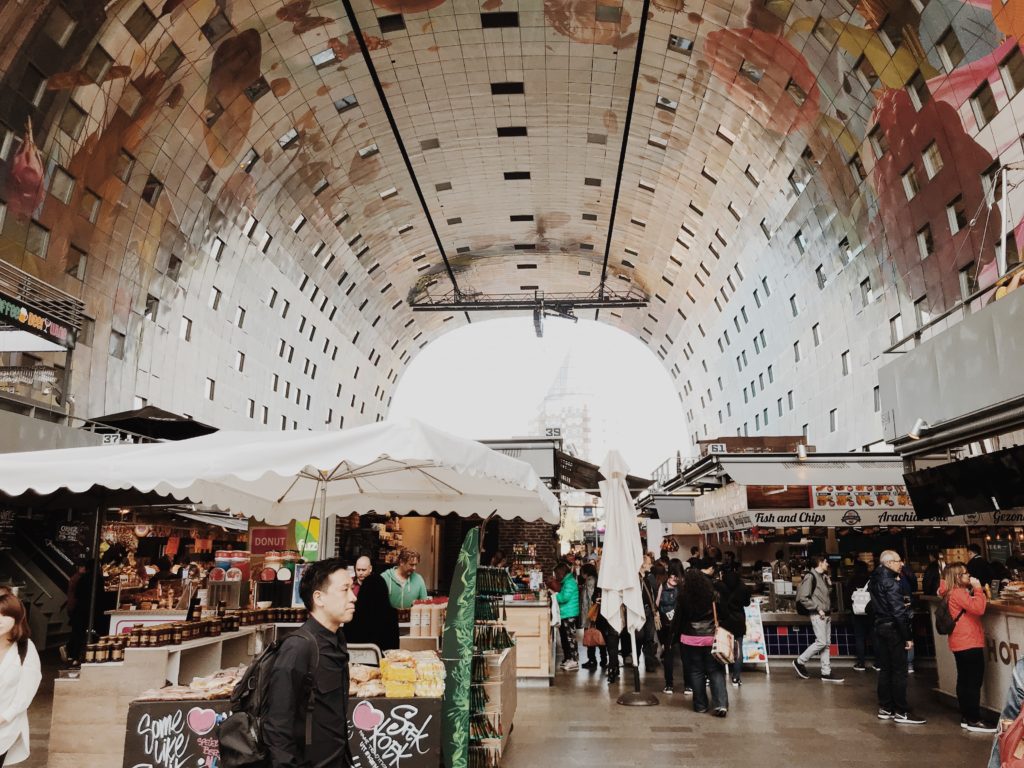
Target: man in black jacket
{"type": "Point", "coordinates": [893, 638]}
{"type": "Point", "coordinates": [374, 620]}
{"type": "Point", "coordinates": [294, 737]}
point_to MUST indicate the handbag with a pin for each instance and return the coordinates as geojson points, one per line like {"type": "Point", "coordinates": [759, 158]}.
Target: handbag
{"type": "Point", "coordinates": [593, 638]}
{"type": "Point", "coordinates": [723, 648]}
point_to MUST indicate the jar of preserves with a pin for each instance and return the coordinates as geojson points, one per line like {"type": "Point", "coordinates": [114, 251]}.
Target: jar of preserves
{"type": "Point", "coordinates": [117, 651]}
{"type": "Point", "coordinates": [176, 634]}
{"type": "Point", "coordinates": [90, 653]}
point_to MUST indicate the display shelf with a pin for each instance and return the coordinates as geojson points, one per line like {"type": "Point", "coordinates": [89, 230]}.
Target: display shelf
{"type": "Point", "coordinates": [89, 713]}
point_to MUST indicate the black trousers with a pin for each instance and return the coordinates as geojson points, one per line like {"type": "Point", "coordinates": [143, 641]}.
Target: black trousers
{"type": "Point", "coordinates": [567, 632]}
{"type": "Point", "coordinates": [970, 674]}
{"type": "Point", "coordinates": [891, 658]}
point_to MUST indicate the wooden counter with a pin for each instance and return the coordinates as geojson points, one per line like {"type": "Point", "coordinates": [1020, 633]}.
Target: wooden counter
{"type": "Point", "coordinates": [1003, 624]}
{"type": "Point", "coordinates": [90, 712]}
{"type": "Point", "coordinates": [529, 622]}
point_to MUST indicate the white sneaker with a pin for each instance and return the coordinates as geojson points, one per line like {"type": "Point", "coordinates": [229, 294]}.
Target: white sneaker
{"type": "Point", "coordinates": [570, 665]}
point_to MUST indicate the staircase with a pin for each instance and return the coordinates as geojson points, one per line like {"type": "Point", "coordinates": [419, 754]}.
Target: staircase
{"type": "Point", "coordinates": [42, 578]}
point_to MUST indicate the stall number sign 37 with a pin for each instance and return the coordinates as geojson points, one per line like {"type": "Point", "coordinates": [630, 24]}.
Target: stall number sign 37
{"type": "Point", "coordinates": [392, 739]}
{"type": "Point", "coordinates": [167, 740]}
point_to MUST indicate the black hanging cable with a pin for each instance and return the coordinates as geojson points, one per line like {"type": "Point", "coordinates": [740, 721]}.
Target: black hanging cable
{"type": "Point", "coordinates": [625, 145]}
{"type": "Point", "coordinates": [358, 32]}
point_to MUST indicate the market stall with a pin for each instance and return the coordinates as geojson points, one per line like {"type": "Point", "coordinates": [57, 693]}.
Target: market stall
{"type": "Point", "coordinates": [277, 479]}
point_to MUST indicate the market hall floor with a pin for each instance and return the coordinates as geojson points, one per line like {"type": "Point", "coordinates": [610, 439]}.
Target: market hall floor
{"type": "Point", "coordinates": [776, 721]}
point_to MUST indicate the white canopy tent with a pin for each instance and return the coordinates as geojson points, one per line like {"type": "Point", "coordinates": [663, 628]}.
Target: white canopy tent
{"type": "Point", "coordinates": [398, 467]}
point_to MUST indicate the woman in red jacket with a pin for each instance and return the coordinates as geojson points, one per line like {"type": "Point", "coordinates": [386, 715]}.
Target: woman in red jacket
{"type": "Point", "coordinates": [964, 598]}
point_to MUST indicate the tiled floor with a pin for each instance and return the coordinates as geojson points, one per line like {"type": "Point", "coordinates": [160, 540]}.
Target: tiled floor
{"type": "Point", "coordinates": [773, 721]}
{"type": "Point", "coordinates": [776, 721]}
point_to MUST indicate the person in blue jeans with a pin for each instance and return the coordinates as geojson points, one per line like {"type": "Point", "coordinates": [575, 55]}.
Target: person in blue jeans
{"type": "Point", "coordinates": [694, 626]}
{"type": "Point", "coordinates": [1014, 699]}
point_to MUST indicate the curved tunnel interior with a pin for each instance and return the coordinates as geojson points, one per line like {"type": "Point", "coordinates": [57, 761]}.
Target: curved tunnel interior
{"type": "Point", "coordinates": [248, 198]}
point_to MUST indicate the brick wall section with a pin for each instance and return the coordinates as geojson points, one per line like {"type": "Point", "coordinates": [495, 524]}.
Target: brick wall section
{"type": "Point", "coordinates": [543, 535]}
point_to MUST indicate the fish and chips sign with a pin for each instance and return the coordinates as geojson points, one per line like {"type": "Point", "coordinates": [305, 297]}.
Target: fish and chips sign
{"type": "Point", "coordinates": [19, 316]}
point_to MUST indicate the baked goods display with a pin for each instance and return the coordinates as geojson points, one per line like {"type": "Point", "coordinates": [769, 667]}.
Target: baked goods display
{"type": "Point", "coordinates": [216, 686]}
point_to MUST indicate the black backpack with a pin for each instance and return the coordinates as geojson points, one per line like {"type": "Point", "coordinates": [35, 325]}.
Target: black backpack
{"type": "Point", "coordinates": [241, 733]}
{"type": "Point", "coordinates": [800, 608]}
{"type": "Point", "coordinates": [944, 621]}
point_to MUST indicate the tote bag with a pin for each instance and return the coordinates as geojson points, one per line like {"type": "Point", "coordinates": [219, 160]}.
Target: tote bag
{"type": "Point", "coordinates": [723, 648]}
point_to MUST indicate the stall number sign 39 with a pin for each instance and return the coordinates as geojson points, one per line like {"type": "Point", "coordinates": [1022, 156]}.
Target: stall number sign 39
{"type": "Point", "coordinates": [167, 740]}
{"type": "Point", "coordinates": [391, 739]}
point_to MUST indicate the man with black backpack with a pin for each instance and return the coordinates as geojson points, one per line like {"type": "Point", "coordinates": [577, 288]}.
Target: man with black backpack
{"type": "Point", "coordinates": [814, 599]}
{"type": "Point", "coordinates": [305, 713]}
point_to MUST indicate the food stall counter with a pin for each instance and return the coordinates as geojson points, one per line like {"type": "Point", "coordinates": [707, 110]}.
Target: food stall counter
{"type": "Point", "coordinates": [1003, 624]}
{"type": "Point", "coordinates": [529, 621]}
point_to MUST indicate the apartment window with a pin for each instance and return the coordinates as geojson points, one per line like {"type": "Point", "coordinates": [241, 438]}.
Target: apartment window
{"type": "Point", "coordinates": [793, 306]}
{"type": "Point", "coordinates": [833, 420]}
{"type": "Point", "coordinates": [918, 90]}
{"type": "Point", "coordinates": [59, 26]}
{"type": "Point", "coordinates": [745, 397]}
{"type": "Point", "coordinates": [796, 351]}
{"type": "Point", "coordinates": [879, 144]}
{"type": "Point", "coordinates": [173, 267]}
{"type": "Point", "coordinates": [217, 248]}
{"type": "Point", "coordinates": [265, 242]}
{"type": "Point", "coordinates": [845, 359]}
{"type": "Point", "coordinates": [932, 160]}
{"type": "Point", "coordinates": [62, 185]}
{"type": "Point", "coordinates": [865, 291]}
{"type": "Point", "coordinates": [152, 189]}
{"type": "Point", "coordinates": [911, 186]}
{"type": "Point", "coordinates": [757, 298]}
{"type": "Point", "coordinates": [800, 241]}
{"type": "Point", "coordinates": [251, 409]}
{"type": "Point", "coordinates": [816, 333]}
{"type": "Point", "coordinates": [240, 316]}
{"type": "Point", "coordinates": [185, 329]}
{"type": "Point", "coordinates": [968, 281]}
{"type": "Point", "coordinates": [764, 284]}
{"type": "Point", "coordinates": [771, 375]}
{"type": "Point", "coordinates": [757, 422]}
{"type": "Point", "coordinates": [210, 389]}
{"type": "Point", "coordinates": [33, 85]}
{"type": "Point", "coordinates": [876, 394]}
{"type": "Point", "coordinates": [76, 263]}
{"type": "Point", "coordinates": [140, 23]}
{"type": "Point", "coordinates": [38, 239]}
{"type": "Point", "coordinates": [819, 275]}
{"type": "Point", "coordinates": [152, 306]}
{"type": "Point", "coordinates": [116, 348]}
{"type": "Point", "coordinates": [956, 214]}
{"type": "Point", "coordinates": [215, 295]}
{"type": "Point", "coordinates": [789, 399]}
{"type": "Point", "coordinates": [91, 203]}
{"type": "Point", "coordinates": [950, 51]}
{"type": "Point", "coordinates": [760, 334]}
{"type": "Point", "coordinates": [983, 104]}
{"type": "Point", "coordinates": [1012, 71]}
{"type": "Point", "coordinates": [857, 167]}
{"type": "Point", "coordinates": [921, 313]}
{"type": "Point", "coordinates": [240, 361]}
{"type": "Point", "coordinates": [895, 328]}
{"type": "Point", "coordinates": [925, 242]}
{"type": "Point", "coordinates": [265, 414]}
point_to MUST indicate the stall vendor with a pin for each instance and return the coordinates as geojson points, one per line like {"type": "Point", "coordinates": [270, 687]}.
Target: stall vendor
{"type": "Point", "coordinates": [405, 586]}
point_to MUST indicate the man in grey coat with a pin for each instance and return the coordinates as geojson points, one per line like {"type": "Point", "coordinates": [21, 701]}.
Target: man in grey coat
{"type": "Point", "coordinates": [815, 597]}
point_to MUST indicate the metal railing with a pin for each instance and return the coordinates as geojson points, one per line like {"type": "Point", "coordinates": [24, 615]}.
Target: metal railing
{"type": "Point", "coordinates": [963, 306]}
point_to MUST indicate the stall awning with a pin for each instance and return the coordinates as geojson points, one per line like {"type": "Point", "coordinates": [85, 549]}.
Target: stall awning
{"type": "Point", "coordinates": [389, 467]}
{"type": "Point", "coordinates": [772, 470]}
{"type": "Point", "coordinates": [155, 423]}
{"type": "Point", "coordinates": [574, 472]}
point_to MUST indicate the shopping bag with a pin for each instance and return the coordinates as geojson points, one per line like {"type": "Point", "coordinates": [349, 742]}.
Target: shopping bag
{"type": "Point", "coordinates": [592, 638]}
{"type": "Point", "coordinates": [723, 647]}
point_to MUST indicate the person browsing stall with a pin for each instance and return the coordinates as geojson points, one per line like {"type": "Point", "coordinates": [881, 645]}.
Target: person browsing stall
{"type": "Point", "coordinates": [893, 638]}
{"type": "Point", "coordinates": [292, 742]}
{"type": "Point", "coordinates": [964, 598]}
{"type": "Point", "coordinates": [405, 586]}
{"type": "Point", "coordinates": [374, 620]}
{"type": "Point", "coordinates": [815, 596]}
{"type": "Point", "coordinates": [20, 675]}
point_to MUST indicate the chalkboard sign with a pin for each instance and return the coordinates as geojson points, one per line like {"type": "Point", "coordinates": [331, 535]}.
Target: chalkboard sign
{"type": "Point", "coordinates": [173, 734]}
{"type": "Point", "coordinates": [395, 733]}
{"type": "Point", "coordinates": [383, 733]}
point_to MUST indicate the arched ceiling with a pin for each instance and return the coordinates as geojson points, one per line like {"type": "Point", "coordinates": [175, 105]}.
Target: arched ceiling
{"type": "Point", "coordinates": [344, 159]}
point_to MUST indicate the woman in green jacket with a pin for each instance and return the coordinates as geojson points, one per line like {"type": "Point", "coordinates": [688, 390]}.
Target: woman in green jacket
{"type": "Point", "coordinates": [569, 611]}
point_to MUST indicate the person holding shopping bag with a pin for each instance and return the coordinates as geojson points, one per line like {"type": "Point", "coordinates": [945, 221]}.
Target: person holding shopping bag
{"type": "Point", "coordinates": [20, 674]}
